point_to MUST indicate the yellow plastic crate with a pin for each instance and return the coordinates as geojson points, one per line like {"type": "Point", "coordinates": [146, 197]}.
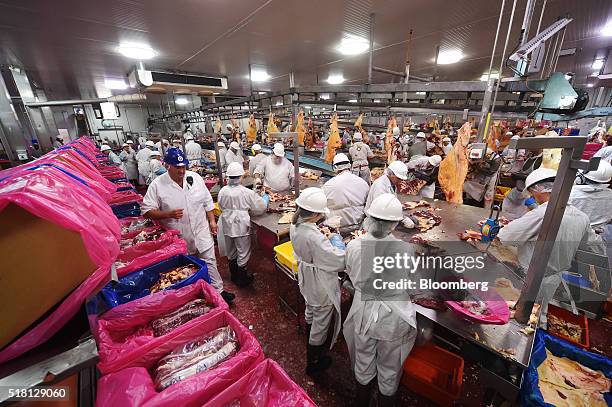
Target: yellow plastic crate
{"type": "Point", "coordinates": [284, 255]}
{"type": "Point", "coordinates": [217, 210]}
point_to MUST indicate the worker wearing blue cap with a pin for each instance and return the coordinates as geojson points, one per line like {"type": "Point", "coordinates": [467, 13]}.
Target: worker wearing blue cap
{"type": "Point", "coordinates": [180, 200]}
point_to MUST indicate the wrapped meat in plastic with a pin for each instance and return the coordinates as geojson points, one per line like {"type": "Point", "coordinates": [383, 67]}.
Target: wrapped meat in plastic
{"type": "Point", "coordinates": [196, 356]}
{"type": "Point", "coordinates": [186, 313]}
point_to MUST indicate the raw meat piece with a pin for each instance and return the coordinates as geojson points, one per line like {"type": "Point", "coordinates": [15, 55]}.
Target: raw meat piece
{"type": "Point", "coordinates": [454, 167]}
{"type": "Point", "coordinates": [187, 312]}
{"type": "Point", "coordinates": [252, 129]}
{"type": "Point", "coordinates": [334, 142]}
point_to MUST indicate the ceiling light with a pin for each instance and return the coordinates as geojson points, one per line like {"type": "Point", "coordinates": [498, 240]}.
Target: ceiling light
{"type": "Point", "coordinates": [181, 101]}
{"type": "Point", "coordinates": [115, 84]}
{"type": "Point", "coordinates": [485, 76]}
{"type": "Point", "coordinates": [598, 64]}
{"type": "Point", "coordinates": [352, 100]}
{"type": "Point", "coordinates": [259, 76]}
{"type": "Point", "coordinates": [590, 85]}
{"type": "Point", "coordinates": [420, 93]}
{"type": "Point", "coordinates": [353, 45]}
{"type": "Point", "coordinates": [607, 30]}
{"type": "Point", "coordinates": [449, 57]}
{"type": "Point", "coordinates": [136, 51]}
{"type": "Point", "coordinates": [335, 79]}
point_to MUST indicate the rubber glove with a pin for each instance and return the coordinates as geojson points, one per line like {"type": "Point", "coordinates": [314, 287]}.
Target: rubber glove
{"type": "Point", "coordinates": [408, 223]}
{"type": "Point", "coordinates": [266, 198]}
{"type": "Point", "coordinates": [336, 241]}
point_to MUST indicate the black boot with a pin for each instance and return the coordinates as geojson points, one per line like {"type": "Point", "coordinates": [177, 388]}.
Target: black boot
{"type": "Point", "coordinates": [315, 361]}
{"type": "Point", "coordinates": [386, 401]}
{"type": "Point", "coordinates": [233, 269]}
{"type": "Point", "coordinates": [228, 297]}
{"type": "Point", "coordinates": [363, 395]}
{"type": "Point", "coordinates": [244, 279]}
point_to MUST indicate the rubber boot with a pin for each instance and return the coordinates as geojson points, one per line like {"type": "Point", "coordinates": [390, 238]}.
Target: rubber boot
{"type": "Point", "coordinates": [385, 401]}
{"type": "Point", "coordinates": [363, 395]}
{"type": "Point", "coordinates": [244, 279]}
{"type": "Point", "coordinates": [315, 362]}
{"type": "Point", "coordinates": [233, 269]}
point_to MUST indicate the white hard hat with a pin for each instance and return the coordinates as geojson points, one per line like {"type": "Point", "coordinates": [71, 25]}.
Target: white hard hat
{"type": "Point", "coordinates": [435, 160]}
{"type": "Point", "coordinates": [446, 139]}
{"type": "Point", "coordinates": [279, 150]}
{"type": "Point", "coordinates": [386, 207]}
{"type": "Point", "coordinates": [188, 137]}
{"type": "Point", "coordinates": [125, 145]}
{"type": "Point", "coordinates": [155, 153]}
{"type": "Point", "coordinates": [541, 174]}
{"type": "Point", "coordinates": [396, 131]}
{"type": "Point", "coordinates": [235, 170]}
{"type": "Point", "coordinates": [105, 147]}
{"type": "Point", "coordinates": [256, 147]}
{"type": "Point", "coordinates": [551, 133]}
{"type": "Point", "coordinates": [420, 135]}
{"type": "Point", "coordinates": [220, 144]}
{"type": "Point", "coordinates": [602, 175]}
{"type": "Point", "coordinates": [129, 142]}
{"type": "Point", "coordinates": [313, 200]}
{"type": "Point", "coordinates": [399, 169]}
{"type": "Point", "coordinates": [340, 158]}
{"type": "Point", "coordinates": [515, 137]}
{"type": "Point", "coordinates": [234, 145]}
{"type": "Point", "coordinates": [357, 136]}
{"type": "Point", "coordinates": [149, 143]}
{"type": "Point", "coordinates": [229, 126]}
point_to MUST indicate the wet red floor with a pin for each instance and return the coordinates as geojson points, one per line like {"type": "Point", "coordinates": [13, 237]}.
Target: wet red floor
{"type": "Point", "coordinates": [277, 331]}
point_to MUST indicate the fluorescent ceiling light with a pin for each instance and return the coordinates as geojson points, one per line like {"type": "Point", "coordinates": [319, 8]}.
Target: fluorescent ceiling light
{"type": "Point", "coordinates": [449, 57]}
{"type": "Point", "coordinates": [115, 84]}
{"type": "Point", "coordinates": [335, 79]}
{"type": "Point", "coordinates": [181, 101]}
{"type": "Point", "coordinates": [590, 85]}
{"type": "Point", "coordinates": [607, 30]}
{"type": "Point", "coordinates": [353, 45]}
{"type": "Point", "coordinates": [494, 75]}
{"type": "Point", "coordinates": [259, 76]}
{"type": "Point", "coordinates": [420, 93]}
{"type": "Point", "coordinates": [136, 51]}
{"type": "Point", "coordinates": [352, 100]}
{"type": "Point", "coordinates": [598, 64]}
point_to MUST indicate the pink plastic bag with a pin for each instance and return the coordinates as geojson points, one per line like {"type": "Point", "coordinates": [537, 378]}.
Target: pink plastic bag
{"type": "Point", "coordinates": [123, 332]}
{"type": "Point", "coordinates": [265, 386]}
{"type": "Point", "coordinates": [137, 260]}
{"type": "Point", "coordinates": [134, 386]}
{"type": "Point", "coordinates": [122, 197]}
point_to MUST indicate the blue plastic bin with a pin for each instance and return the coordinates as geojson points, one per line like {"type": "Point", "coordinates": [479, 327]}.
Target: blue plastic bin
{"type": "Point", "coordinates": [136, 285]}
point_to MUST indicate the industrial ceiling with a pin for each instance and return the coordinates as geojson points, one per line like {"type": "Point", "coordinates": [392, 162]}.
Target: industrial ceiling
{"type": "Point", "coordinates": [68, 47]}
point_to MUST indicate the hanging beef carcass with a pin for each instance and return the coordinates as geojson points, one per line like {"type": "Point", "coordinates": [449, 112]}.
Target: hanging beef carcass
{"type": "Point", "coordinates": [454, 168]}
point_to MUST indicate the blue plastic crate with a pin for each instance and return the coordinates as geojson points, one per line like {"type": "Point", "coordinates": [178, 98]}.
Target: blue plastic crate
{"type": "Point", "coordinates": [136, 285]}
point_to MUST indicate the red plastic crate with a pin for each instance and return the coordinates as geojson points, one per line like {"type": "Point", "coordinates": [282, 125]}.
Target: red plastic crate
{"type": "Point", "coordinates": [580, 320]}
{"type": "Point", "coordinates": [434, 373]}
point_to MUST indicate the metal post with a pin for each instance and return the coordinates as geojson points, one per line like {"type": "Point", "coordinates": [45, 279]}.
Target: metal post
{"type": "Point", "coordinates": [564, 180]}
{"type": "Point", "coordinates": [296, 146]}
{"type": "Point", "coordinates": [371, 48]}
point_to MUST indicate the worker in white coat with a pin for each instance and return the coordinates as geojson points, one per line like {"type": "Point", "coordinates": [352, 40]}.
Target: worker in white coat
{"type": "Point", "coordinates": [574, 233]}
{"type": "Point", "coordinates": [222, 154]}
{"type": "Point", "coordinates": [346, 194]}
{"type": "Point", "coordinates": [180, 200]}
{"type": "Point", "coordinates": [319, 261]}
{"type": "Point", "coordinates": [143, 157]}
{"type": "Point", "coordinates": [276, 172]}
{"type": "Point", "coordinates": [388, 182]}
{"type": "Point", "coordinates": [129, 163]}
{"type": "Point", "coordinates": [258, 158]}
{"type": "Point", "coordinates": [113, 159]}
{"type": "Point", "coordinates": [592, 194]}
{"type": "Point", "coordinates": [237, 203]}
{"type": "Point", "coordinates": [380, 328]}
{"type": "Point", "coordinates": [157, 168]}
{"type": "Point", "coordinates": [193, 150]}
{"type": "Point", "coordinates": [360, 153]}
{"type": "Point", "coordinates": [234, 155]}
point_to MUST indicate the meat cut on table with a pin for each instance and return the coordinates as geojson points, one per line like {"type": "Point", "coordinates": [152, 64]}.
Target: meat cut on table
{"type": "Point", "coordinates": [454, 167]}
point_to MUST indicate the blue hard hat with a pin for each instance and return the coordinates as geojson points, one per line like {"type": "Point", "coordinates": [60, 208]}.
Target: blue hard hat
{"type": "Point", "coordinates": [175, 157]}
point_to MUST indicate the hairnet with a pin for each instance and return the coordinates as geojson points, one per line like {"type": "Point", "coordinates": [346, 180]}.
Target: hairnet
{"type": "Point", "coordinates": [233, 181]}
{"type": "Point", "coordinates": [379, 228]}
{"type": "Point", "coordinates": [545, 186]}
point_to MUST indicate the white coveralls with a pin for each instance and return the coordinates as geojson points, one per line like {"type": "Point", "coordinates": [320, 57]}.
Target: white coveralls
{"type": "Point", "coordinates": [346, 196]}
{"type": "Point", "coordinates": [318, 266]}
{"type": "Point", "coordinates": [231, 157]}
{"type": "Point", "coordinates": [574, 233]}
{"type": "Point", "coordinates": [129, 164]}
{"type": "Point", "coordinates": [381, 186]}
{"type": "Point", "coordinates": [164, 195]}
{"type": "Point", "coordinates": [360, 152]}
{"type": "Point", "coordinates": [144, 166]}
{"type": "Point", "coordinates": [114, 160]}
{"type": "Point", "coordinates": [193, 151]}
{"type": "Point", "coordinates": [237, 203]}
{"type": "Point", "coordinates": [255, 161]}
{"type": "Point", "coordinates": [594, 200]}
{"type": "Point", "coordinates": [276, 177]}
{"type": "Point", "coordinates": [379, 334]}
